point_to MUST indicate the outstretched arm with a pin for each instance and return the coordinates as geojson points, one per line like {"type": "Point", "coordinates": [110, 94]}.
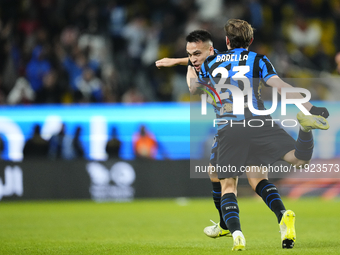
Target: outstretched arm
{"type": "Point", "coordinates": [276, 82]}
{"type": "Point", "coordinates": [191, 73]}
{"type": "Point", "coordinates": [169, 62]}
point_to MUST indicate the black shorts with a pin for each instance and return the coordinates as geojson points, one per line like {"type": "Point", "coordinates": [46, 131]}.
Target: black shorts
{"type": "Point", "coordinates": [213, 155]}
{"type": "Point", "coordinates": [240, 146]}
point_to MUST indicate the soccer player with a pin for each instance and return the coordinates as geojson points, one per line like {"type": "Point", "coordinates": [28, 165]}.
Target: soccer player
{"type": "Point", "coordinates": [242, 145]}
{"type": "Point", "coordinates": [199, 47]}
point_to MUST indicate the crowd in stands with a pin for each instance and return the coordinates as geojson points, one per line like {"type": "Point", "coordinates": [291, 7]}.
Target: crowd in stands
{"type": "Point", "coordinates": [86, 51]}
{"type": "Point", "coordinates": [65, 146]}
{"type": "Point", "coordinates": [59, 146]}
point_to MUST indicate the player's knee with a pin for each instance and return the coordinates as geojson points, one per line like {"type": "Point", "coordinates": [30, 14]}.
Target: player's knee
{"type": "Point", "coordinates": [214, 179]}
{"type": "Point", "coordinates": [301, 163]}
{"type": "Point", "coordinates": [213, 174]}
{"type": "Point", "coordinates": [229, 185]}
{"type": "Point", "coordinates": [253, 182]}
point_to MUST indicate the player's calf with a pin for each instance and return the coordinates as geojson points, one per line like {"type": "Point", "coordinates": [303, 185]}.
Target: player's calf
{"type": "Point", "coordinates": [270, 195]}
{"type": "Point", "coordinates": [304, 145]}
{"type": "Point", "coordinates": [216, 194]}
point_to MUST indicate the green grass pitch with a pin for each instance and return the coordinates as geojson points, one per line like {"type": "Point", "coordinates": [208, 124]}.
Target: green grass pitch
{"type": "Point", "coordinates": [159, 227]}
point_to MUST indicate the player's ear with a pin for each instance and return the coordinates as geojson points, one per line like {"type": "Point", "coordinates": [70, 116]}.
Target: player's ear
{"type": "Point", "coordinates": [211, 50]}
{"type": "Point", "coordinates": [251, 41]}
{"type": "Point", "coordinates": [227, 41]}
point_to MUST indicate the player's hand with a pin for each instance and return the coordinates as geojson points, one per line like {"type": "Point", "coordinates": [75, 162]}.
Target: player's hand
{"type": "Point", "coordinates": [192, 72]}
{"type": "Point", "coordinates": [322, 111]}
{"type": "Point", "coordinates": [165, 62]}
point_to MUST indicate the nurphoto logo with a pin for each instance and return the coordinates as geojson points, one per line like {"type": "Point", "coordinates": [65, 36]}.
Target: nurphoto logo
{"type": "Point", "coordinates": [238, 103]}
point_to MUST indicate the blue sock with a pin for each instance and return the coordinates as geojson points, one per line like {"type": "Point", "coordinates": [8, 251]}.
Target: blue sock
{"type": "Point", "coordinates": [216, 193]}
{"type": "Point", "coordinates": [230, 212]}
{"type": "Point", "coordinates": [271, 197]}
{"type": "Point", "coordinates": [304, 145]}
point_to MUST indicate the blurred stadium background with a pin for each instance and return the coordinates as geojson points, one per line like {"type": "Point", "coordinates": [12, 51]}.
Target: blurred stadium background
{"type": "Point", "coordinates": [81, 73]}
{"type": "Point", "coordinates": [87, 68]}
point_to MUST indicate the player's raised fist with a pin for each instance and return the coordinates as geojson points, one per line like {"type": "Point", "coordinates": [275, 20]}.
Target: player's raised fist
{"type": "Point", "coordinates": [165, 62]}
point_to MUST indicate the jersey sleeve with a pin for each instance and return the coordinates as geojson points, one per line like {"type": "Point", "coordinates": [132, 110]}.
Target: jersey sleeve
{"type": "Point", "coordinates": [267, 69]}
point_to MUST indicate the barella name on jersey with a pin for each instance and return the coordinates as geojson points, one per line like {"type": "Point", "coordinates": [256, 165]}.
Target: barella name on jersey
{"type": "Point", "coordinates": [231, 57]}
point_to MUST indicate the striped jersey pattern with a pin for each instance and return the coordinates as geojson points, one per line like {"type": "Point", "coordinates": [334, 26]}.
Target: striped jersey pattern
{"type": "Point", "coordinates": [238, 67]}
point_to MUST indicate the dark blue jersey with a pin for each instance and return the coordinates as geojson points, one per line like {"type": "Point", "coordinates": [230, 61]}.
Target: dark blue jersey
{"type": "Point", "coordinates": [215, 52]}
{"type": "Point", "coordinates": [238, 67]}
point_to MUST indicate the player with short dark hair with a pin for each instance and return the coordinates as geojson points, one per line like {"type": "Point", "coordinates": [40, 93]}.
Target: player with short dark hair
{"type": "Point", "coordinates": [199, 36]}
{"type": "Point", "coordinates": [199, 47]}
